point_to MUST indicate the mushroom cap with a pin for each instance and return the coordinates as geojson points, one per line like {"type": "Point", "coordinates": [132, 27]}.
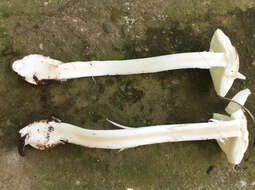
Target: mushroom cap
{"type": "Point", "coordinates": [235, 147]}
{"type": "Point", "coordinates": [34, 68]}
{"type": "Point", "coordinates": [223, 77]}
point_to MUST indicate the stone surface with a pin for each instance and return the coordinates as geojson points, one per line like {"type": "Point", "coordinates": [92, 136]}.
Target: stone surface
{"type": "Point", "coordinates": [73, 30]}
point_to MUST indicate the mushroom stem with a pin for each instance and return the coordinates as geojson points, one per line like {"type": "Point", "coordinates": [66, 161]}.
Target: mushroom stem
{"type": "Point", "coordinates": [222, 60]}
{"type": "Point", "coordinates": [127, 138]}
{"type": "Point", "coordinates": [230, 132]}
{"type": "Point", "coordinates": [202, 60]}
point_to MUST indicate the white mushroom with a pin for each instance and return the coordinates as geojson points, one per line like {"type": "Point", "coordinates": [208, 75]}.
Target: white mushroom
{"type": "Point", "coordinates": [222, 60]}
{"type": "Point", "coordinates": [230, 131]}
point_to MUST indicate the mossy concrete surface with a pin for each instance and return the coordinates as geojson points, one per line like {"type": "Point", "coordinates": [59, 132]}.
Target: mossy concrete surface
{"type": "Point", "coordinates": [71, 30]}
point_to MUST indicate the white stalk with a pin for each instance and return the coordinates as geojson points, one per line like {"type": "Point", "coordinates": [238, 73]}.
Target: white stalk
{"type": "Point", "coordinates": [222, 60]}
{"type": "Point", "coordinates": [46, 134]}
{"type": "Point", "coordinates": [202, 60]}
{"type": "Point", "coordinates": [55, 132]}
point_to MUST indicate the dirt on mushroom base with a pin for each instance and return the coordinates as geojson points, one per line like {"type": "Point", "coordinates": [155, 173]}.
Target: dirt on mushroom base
{"type": "Point", "coordinates": [75, 30]}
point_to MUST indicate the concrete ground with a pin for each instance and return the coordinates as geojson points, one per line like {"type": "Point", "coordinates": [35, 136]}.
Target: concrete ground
{"type": "Point", "coordinates": [71, 30]}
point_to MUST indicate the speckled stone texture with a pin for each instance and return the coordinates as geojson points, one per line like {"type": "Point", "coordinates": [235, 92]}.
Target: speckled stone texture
{"type": "Point", "coordinates": [71, 30]}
